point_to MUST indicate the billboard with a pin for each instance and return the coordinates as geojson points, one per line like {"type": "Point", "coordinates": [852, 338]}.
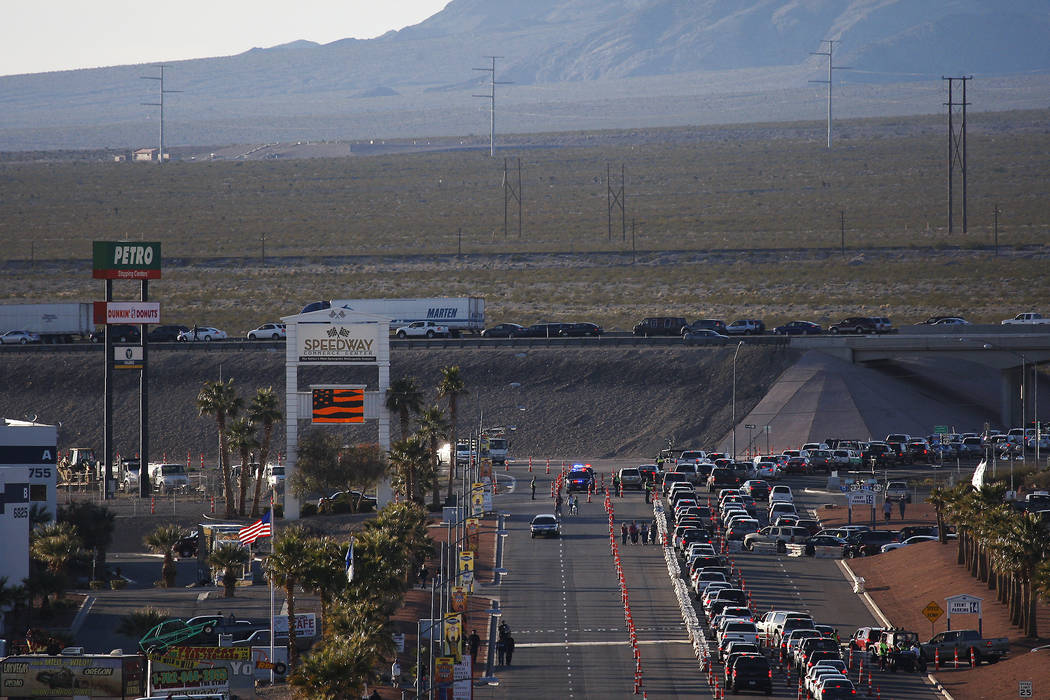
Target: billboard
{"type": "Point", "coordinates": [40, 676]}
{"type": "Point", "coordinates": [322, 343]}
{"type": "Point", "coordinates": [190, 680]}
{"type": "Point", "coordinates": [125, 260]}
{"type": "Point", "coordinates": [134, 312]}
{"type": "Point", "coordinates": [338, 404]}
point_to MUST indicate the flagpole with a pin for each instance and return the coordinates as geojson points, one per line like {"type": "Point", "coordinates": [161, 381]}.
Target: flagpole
{"type": "Point", "coordinates": [273, 627]}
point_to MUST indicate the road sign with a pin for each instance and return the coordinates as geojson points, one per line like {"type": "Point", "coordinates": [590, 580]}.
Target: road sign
{"type": "Point", "coordinates": [127, 357]}
{"type": "Point", "coordinates": [862, 498]}
{"type": "Point", "coordinates": [940, 429]}
{"type": "Point", "coordinates": [749, 426]}
{"type": "Point", "coordinates": [964, 605]}
{"type": "Point", "coordinates": [1024, 689]}
{"type": "Point", "coordinates": [932, 611]}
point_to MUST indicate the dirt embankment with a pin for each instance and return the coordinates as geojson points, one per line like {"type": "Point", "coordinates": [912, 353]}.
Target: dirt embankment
{"type": "Point", "coordinates": [570, 402]}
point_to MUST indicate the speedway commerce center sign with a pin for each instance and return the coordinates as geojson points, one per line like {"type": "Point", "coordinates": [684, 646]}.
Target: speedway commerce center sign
{"type": "Point", "coordinates": [323, 343]}
{"type": "Point", "coordinates": [125, 260]}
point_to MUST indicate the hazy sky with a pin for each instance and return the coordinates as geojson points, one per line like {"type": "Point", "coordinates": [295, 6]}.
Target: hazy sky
{"type": "Point", "coordinates": [47, 35]}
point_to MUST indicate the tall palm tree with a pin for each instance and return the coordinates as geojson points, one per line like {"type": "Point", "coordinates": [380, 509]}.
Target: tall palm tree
{"type": "Point", "coordinates": [326, 576]}
{"type": "Point", "coordinates": [404, 397]}
{"type": "Point", "coordinates": [161, 541]}
{"type": "Point", "coordinates": [333, 670]}
{"type": "Point", "coordinates": [288, 567]}
{"type": "Point", "coordinates": [452, 387]}
{"type": "Point", "coordinates": [55, 545]}
{"type": "Point", "coordinates": [231, 558]}
{"type": "Point", "coordinates": [1026, 546]}
{"type": "Point", "coordinates": [432, 429]}
{"type": "Point", "coordinates": [219, 400]}
{"type": "Point", "coordinates": [407, 457]}
{"type": "Point", "coordinates": [264, 411]}
{"type": "Point", "coordinates": [240, 434]}
{"type": "Point", "coordinates": [938, 499]}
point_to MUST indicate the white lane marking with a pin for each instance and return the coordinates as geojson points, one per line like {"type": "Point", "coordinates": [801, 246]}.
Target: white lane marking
{"type": "Point", "coordinates": [535, 645]}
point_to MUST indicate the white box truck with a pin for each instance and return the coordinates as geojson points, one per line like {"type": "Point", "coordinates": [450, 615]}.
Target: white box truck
{"type": "Point", "coordinates": [54, 323]}
{"type": "Point", "coordinates": [460, 314]}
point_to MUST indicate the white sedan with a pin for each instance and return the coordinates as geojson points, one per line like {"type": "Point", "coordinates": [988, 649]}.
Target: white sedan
{"type": "Point", "coordinates": [269, 331]}
{"type": "Point", "coordinates": [19, 337]}
{"type": "Point", "coordinates": [911, 540]}
{"type": "Point", "coordinates": [205, 333]}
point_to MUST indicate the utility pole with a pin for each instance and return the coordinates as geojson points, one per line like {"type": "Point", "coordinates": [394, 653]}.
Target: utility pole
{"type": "Point", "coordinates": [163, 92]}
{"type": "Point", "coordinates": [956, 149]}
{"type": "Point", "coordinates": [616, 199]}
{"type": "Point", "coordinates": [492, 102]}
{"type": "Point", "coordinates": [510, 192]}
{"type": "Point", "coordinates": [831, 67]}
{"type": "Point", "coordinates": [842, 231]}
{"type": "Point", "coordinates": [995, 226]}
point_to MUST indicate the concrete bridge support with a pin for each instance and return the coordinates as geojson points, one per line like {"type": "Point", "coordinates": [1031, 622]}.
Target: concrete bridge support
{"type": "Point", "coordinates": [1014, 403]}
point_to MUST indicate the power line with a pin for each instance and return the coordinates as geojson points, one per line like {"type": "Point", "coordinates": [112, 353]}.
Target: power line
{"type": "Point", "coordinates": [831, 67]}
{"type": "Point", "coordinates": [160, 152]}
{"type": "Point", "coordinates": [492, 102]}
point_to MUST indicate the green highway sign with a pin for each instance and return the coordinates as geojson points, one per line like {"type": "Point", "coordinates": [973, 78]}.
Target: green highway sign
{"type": "Point", "coordinates": [940, 429]}
{"type": "Point", "coordinates": [125, 260]}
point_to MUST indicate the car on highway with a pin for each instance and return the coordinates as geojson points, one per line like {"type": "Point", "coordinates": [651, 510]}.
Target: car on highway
{"type": "Point", "coordinates": [751, 673]}
{"type": "Point", "coordinates": [782, 508]}
{"type": "Point", "coordinates": [798, 328]}
{"type": "Point", "coordinates": [704, 336]}
{"type": "Point", "coordinates": [166, 334]}
{"type": "Point", "coordinates": [503, 330]}
{"type": "Point", "coordinates": [767, 470]}
{"type": "Point", "coordinates": [579, 478]}
{"type": "Point", "coordinates": [756, 488]}
{"type": "Point", "coordinates": [824, 668]}
{"type": "Point", "coordinates": [660, 325]}
{"type": "Point", "coordinates": [781, 494]}
{"type": "Point", "coordinates": [741, 527]}
{"type": "Point", "coordinates": [746, 326]}
{"type": "Point", "coordinates": [205, 333]}
{"type": "Point", "coordinates": [951, 321]}
{"type": "Point", "coordinates": [118, 332]}
{"type": "Point", "coordinates": [780, 535]}
{"type": "Point", "coordinates": [269, 331]}
{"type": "Point", "coordinates": [824, 541]}
{"type": "Point", "coordinates": [853, 324]}
{"type": "Point", "coordinates": [722, 477]}
{"type": "Point", "coordinates": [836, 688]}
{"type": "Point", "coordinates": [19, 338]}
{"type": "Point", "coordinates": [711, 324]}
{"type": "Point", "coordinates": [868, 543]}
{"type": "Point", "coordinates": [545, 525]}
{"type": "Point", "coordinates": [582, 329]}
{"type": "Point", "coordinates": [424, 329]}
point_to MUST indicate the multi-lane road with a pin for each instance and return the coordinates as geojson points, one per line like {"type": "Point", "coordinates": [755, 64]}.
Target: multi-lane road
{"type": "Point", "coordinates": [562, 601]}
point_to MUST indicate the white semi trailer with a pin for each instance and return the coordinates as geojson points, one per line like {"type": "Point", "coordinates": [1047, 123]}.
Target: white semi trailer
{"type": "Point", "coordinates": [54, 323]}
{"type": "Point", "coordinates": [460, 314]}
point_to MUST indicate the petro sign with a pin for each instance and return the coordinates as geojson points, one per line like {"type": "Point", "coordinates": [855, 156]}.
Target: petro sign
{"type": "Point", "coordinates": [124, 260]}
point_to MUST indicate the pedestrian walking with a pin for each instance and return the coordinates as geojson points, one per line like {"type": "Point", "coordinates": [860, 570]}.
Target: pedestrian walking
{"type": "Point", "coordinates": [424, 574]}
{"type": "Point", "coordinates": [557, 505]}
{"type": "Point", "coordinates": [473, 644]}
{"type": "Point", "coordinates": [653, 531]}
{"type": "Point", "coordinates": [644, 532]}
{"type": "Point", "coordinates": [901, 505]}
{"type": "Point", "coordinates": [395, 674]}
{"type": "Point", "coordinates": [623, 533]}
{"type": "Point", "coordinates": [886, 509]}
{"type": "Point", "coordinates": [616, 485]}
{"type": "Point", "coordinates": [509, 644]}
{"type": "Point", "coordinates": [501, 651]}
{"type": "Point", "coordinates": [633, 531]}
{"type": "Point", "coordinates": [532, 485]}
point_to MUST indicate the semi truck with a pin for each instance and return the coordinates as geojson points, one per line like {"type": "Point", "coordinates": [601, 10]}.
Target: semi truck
{"type": "Point", "coordinates": [54, 323]}
{"type": "Point", "coordinates": [460, 314]}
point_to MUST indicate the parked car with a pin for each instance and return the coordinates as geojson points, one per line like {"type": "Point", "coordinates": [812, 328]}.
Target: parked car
{"type": "Point", "coordinates": [853, 324]}
{"type": "Point", "coordinates": [268, 331]}
{"type": "Point", "coordinates": [205, 333]}
{"type": "Point", "coordinates": [165, 334]}
{"type": "Point", "coordinates": [746, 326]}
{"type": "Point", "coordinates": [503, 330]}
{"type": "Point", "coordinates": [798, 328]}
{"type": "Point", "coordinates": [661, 325]}
{"type": "Point", "coordinates": [19, 338]}
{"type": "Point", "coordinates": [867, 543]}
{"type": "Point", "coordinates": [915, 539]}
{"type": "Point", "coordinates": [989, 649]}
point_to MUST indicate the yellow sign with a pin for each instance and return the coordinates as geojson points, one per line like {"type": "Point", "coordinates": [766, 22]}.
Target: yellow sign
{"type": "Point", "coordinates": [454, 636]}
{"type": "Point", "coordinates": [466, 570]}
{"type": "Point", "coordinates": [473, 525]}
{"type": "Point", "coordinates": [459, 598]}
{"type": "Point", "coordinates": [932, 611]}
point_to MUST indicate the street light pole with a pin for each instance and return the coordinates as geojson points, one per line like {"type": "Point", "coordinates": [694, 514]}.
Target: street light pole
{"type": "Point", "coordinates": [735, 353]}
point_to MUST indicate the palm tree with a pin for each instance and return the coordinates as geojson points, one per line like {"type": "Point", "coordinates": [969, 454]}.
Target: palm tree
{"type": "Point", "coordinates": [161, 541]}
{"type": "Point", "coordinates": [264, 410]}
{"type": "Point", "coordinates": [938, 499]}
{"type": "Point", "coordinates": [452, 387]}
{"type": "Point", "coordinates": [326, 576]}
{"type": "Point", "coordinates": [288, 566]}
{"type": "Point", "coordinates": [240, 435]}
{"type": "Point", "coordinates": [404, 397]}
{"type": "Point", "coordinates": [219, 399]}
{"type": "Point", "coordinates": [231, 558]}
{"type": "Point", "coordinates": [332, 671]}
{"type": "Point", "coordinates": [432, 429]}
{"type": "Point", "coordinates": [55, 545]}
{"type": "Point", "coordinates": [138, 622]}
{"type": "Point", "coordinates": [1026, 547]}
{"type": "Point", "coordinates": [406, 458]}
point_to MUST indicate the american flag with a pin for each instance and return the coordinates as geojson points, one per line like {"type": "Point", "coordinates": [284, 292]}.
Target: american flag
{"type": "Point", "coordinates": [260, 528]}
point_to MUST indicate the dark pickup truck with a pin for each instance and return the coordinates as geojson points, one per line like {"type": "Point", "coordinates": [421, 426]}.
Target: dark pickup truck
{"type": "Point", "coordinates": [990, 650]}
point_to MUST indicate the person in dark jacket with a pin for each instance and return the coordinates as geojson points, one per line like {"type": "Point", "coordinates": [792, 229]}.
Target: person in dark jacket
{"type": "Point", "coordinates": [509, 644]}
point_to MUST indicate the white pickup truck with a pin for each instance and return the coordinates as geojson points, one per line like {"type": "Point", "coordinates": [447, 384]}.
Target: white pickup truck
{"type": "Point", "coordinates": [1029, 318]}
{"type": "Point", "coordinates": [423, 329]}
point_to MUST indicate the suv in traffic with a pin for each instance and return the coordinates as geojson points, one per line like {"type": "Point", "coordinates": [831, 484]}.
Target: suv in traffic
{"type": "Point", "coordinates": [750, 672]}
{"type": "Point", "coordinates": [853, 324]}
{"type": "Point", "coordinates": [746, 326]}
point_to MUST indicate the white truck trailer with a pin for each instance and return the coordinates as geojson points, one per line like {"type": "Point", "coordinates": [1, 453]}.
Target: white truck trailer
{"type": "Point", "coordinates": [54, 323]}
{"type": "Point", "coordinates": [460, 314]}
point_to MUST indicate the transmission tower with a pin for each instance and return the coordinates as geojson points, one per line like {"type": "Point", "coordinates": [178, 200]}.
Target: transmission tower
{"type": "Point", "coordinates": [956, 149]}
{"type": "Point", "coordinates": [831, 67]}
{"type": "Point", "coordinates": [492, 102]}
{"type": "Point", "coordinates": [163, 92]}
{"type": "Point", "coordinates": [509, 193]}
{"type": "Point", "coordinates": [617, 199]}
